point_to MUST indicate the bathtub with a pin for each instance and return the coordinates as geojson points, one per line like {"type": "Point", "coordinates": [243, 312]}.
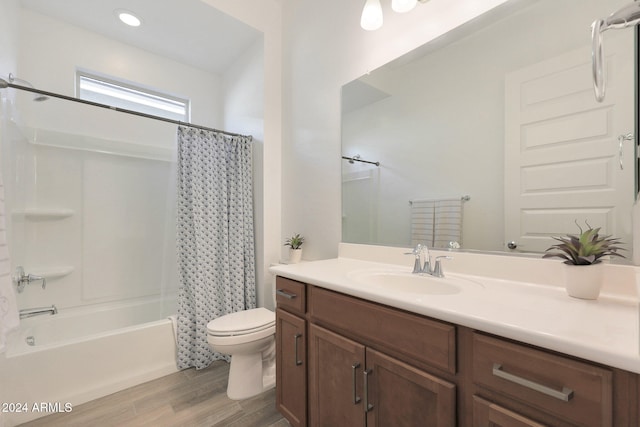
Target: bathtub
{"type": "Point", "coordinates": [82, 354]}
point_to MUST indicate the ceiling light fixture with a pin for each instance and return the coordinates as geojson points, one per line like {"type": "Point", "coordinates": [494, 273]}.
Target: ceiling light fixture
{"type": "Point", "coordinates": [371, 15]}
{"type": "Point", "coordinates": [128, 18]}
{"type": "Point", "coordinates": [372, 19]}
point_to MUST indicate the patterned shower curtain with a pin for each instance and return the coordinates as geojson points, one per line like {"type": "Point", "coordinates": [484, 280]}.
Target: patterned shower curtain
{"type": "Point", "coordinates": [216, 257]}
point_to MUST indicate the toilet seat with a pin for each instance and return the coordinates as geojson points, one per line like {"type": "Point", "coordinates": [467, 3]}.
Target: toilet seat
{"type": "Point", "coordinates": [242, 323]}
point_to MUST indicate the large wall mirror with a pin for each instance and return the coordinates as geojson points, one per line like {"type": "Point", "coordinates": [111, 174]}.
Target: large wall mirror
{"type": "Point", "coordinates": [489, 138]}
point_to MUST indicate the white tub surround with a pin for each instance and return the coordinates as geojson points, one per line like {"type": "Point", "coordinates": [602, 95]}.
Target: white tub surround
{"type": "Point", "coordinates": [519, 298]}
{"type": "Point", "coordinates": [81, 354]}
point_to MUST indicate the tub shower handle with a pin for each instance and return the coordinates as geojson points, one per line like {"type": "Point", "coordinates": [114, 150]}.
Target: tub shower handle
{"type": "Point", "coordinates": [21, 279]}
{"type": "Point", "coordinates": [32, 277]}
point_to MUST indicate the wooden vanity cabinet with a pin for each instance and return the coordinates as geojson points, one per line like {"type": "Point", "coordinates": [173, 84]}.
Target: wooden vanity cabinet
{"type": "Point", "coordinates": [343, 361]}
{"type": "Point", "coordinates": [353, 385]}
{"type": "Point", "coordinates": [362, 365]}
{"type": "Point", "coordinates": [291, 351]}
{"type": "Point", "coordinates": [423, 342]}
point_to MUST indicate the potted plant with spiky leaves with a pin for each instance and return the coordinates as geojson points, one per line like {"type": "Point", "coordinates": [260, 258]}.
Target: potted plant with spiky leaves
{"type": "Point", "coordinates": [295, 248]}
{"type": "Point", "coordinates": [583, 255]}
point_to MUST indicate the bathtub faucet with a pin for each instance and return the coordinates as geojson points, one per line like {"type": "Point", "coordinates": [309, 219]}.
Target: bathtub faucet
{"type": "Point", "coordinates": [30, 312]}
{"type": "Point", "coordinates": [21, 279]}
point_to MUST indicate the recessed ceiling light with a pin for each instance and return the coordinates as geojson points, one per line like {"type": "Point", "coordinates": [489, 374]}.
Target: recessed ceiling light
{"type": "Point", "coordinates": [128, 18]}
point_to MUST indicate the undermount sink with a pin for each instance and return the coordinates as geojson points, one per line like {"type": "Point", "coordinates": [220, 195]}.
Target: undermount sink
{"type": "Point", "coordinates": [421, 284]}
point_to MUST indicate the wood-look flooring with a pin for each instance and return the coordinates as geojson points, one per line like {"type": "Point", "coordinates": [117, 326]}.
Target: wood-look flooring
{"type": "Point", "coordinates": [186, 398]}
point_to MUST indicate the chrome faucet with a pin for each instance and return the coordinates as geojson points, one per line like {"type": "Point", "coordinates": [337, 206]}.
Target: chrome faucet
{"type": "Point", "coordinates": [417, 252]}
{"type": "Point", "coordinates": [418, 266]}
{"type": "Point", "coordinates": [30, 312]}
{"type": "Point", "coordinates": [21, 279]}
{"type": "Point", "coordinates": [427, 267]}
{"type": "Point", "coordinates": [437, 270]}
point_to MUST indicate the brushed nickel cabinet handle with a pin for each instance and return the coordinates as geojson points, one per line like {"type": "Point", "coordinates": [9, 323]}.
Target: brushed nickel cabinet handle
{"type": "Point", "coordinates": [367, 406]}
{"type": "Point", "coordinates": [565, 395]}
{"type": "Point", "coordinates": [354, 368]}
{"type": "Point", "coordinates": [285, 294]}
{"type": "Point", "coordinates": [296, 337]}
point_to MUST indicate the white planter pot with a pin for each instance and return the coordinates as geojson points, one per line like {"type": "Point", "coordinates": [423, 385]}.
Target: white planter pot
{"type": "Point", "coordinates": [295, 255]}
{"type": "Point", "coordinates": [583, 281]}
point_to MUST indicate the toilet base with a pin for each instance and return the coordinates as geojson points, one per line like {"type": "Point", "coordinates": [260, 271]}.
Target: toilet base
{"type": "Point", "coordinates": [246, 377]}
{"type": "Point", "coordinates": [252, 368]}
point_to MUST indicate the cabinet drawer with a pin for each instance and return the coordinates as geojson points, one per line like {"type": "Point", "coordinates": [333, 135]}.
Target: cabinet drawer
{"type": "Point", "coordinates": [291, 295]}
{"type": "Point", "coordinates": [486, 413]}
{"type": "Point", "coordinates": [411, 337]}
{"type": "Point", "coordinates": [575, 391]}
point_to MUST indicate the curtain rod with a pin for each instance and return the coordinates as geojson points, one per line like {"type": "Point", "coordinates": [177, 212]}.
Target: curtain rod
{"type": "Point", "coordinates": [357, 158]}
{"type": "Point", "coordinates": [4, 84]}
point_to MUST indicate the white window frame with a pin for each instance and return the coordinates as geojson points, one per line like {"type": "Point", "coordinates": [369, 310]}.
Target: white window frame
{"type": "Point", "coordinates": [126, 95]}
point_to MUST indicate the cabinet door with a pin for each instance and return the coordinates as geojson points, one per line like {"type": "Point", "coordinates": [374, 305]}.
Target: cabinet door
{"type": "Point", "coordinates": [487, 414]}
{"type": "Point", "coordinates": [401, 395]}
{"type": "Point", "coordinates": [336, 365]}
{"type": "Point", "coordinates": [291, 368]}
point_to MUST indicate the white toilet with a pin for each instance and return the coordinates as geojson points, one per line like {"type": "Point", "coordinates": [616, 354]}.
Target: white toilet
{"type": "Point", "coordinates": [249, 338]}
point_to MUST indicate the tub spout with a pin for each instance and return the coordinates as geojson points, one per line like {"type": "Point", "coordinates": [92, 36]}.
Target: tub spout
{"type": "Point", "coordinates": [30, 312]}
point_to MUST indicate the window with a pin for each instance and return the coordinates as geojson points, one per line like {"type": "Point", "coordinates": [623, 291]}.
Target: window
{"type": "Point", "coordinates": [125, 95]}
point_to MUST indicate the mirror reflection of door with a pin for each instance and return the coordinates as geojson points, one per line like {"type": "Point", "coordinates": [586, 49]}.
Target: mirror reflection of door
{"type": "Point", "coordinates": [359, 213]}
{"type": "Point", "coordinates": [563, 162]}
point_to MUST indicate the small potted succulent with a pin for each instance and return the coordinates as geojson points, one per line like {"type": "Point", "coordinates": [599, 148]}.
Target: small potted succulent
{"type": "Point", "coordinates": [583, 255]}
{"type": "Point", "coordinates": [295, 248]}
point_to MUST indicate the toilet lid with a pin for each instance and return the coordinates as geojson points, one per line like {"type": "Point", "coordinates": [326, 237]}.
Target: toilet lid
{"type": "Point", "coordinates": [242, 322]}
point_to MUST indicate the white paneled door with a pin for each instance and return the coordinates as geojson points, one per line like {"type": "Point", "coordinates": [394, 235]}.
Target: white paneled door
{"type": "Point", "coordinates": [562, 157]}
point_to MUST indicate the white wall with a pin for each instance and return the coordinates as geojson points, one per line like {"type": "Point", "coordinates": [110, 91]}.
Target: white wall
{"type": "Point", "coordinates": [324, 49]}
{"type": "Point", "coordinates": [92, 184]}
{"type": "Point", "coordinates": [310, 51]}
{"type": "Point", "coordinates": [265, 15]}
{"type": "Point", "coordinates": [49, 52]}
{"type": "Point", "coordinates": [8, 36]}
{"type": "Point", "coordinates": [243, 86]}
{"type": "Point", "coordinates": [50, 49]}
{"type": "Point", "coordinates": [317, 48]}
{"type": "Point", "coordinates": [9, 12]}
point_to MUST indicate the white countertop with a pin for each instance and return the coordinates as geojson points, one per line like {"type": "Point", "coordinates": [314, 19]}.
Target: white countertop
{"type": "Point", "coordinates": [603, 331]}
